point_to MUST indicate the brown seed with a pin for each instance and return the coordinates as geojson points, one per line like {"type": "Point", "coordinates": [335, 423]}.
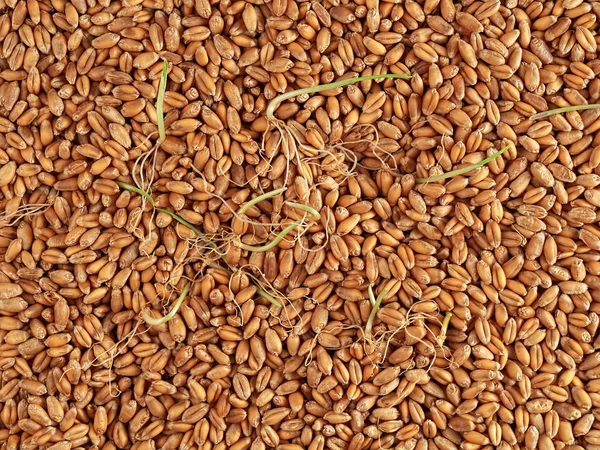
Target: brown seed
{"type": "Point", "coordinates": [510, 249]}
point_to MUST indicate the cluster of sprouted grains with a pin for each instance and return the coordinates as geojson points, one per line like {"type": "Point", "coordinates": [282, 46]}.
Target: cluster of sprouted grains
{"type": "Point", "coordinates": [435, 289]}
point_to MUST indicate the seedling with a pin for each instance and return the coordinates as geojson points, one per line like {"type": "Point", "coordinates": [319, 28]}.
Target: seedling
{"type": "Point", "coordinates": [275, 241]}
{"type": "Point", "coordinates": [270, 113]}
{"type": "Point", "coordinates": [563, 110]}
{"type": "Point", "coordinates": [455, 173]}
{"type": "Point", "coordinates": [139, 164]}
{"type": "Point", "coordinates": [160, 102]}
{"type": "Point", "coordinates": [288, 133]}
{"type": "Point", "coordinates": [316, 215]}
{"type": "Point", "coordinates": [160, 320]}
{"type": "Point", "coordinates": [142, 190]}
{"type": "Point", "coordinates": [375, 305]}
{"type": "Point", "coordinates": [207, 239]}
{"type": "Point", "coordinates": [147, 196]}
{"type": "Point", "coordinates": [442, 337]}
{"type": "Point", "coordinates": [200, 234]}
{"type": "Point", "coordinates": [246, 206]}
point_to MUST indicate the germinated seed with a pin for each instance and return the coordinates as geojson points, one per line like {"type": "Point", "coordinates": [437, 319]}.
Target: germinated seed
{"type": "Point", "coordinates": [510, 249]}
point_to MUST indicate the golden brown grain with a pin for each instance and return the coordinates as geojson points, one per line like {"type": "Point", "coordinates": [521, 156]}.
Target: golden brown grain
{"type": "Point", "coordinates": [510, 249]}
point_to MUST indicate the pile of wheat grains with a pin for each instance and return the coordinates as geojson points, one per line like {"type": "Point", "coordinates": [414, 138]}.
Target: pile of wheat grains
{"type": "Point", "coordinates": [484, 330]}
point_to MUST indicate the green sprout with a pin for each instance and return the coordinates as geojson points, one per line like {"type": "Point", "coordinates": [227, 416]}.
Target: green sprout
{"type": "Point", "coordinates": [242, 210]}
{"type": "Point", "coordinates": [372, 299]}
{"type": "Point", "coordinates": [551, 112]}
{"type": "Point", "coordinates": [275, 241]}
{"type": "Point", "coordinates": [184, 222]}
{"type": "Point", "coordinates": [259, 290]}
{"type": "Point", "coordinates": [375, 304]}
{"type": "Point", "coordinates": [270, 113]}
{"type": "Point", "coordinates": [159, 321]}
{"type": "Point", "coordinates": [147, 196]}
{"type": "Point", "coordinates": [442, 337]}
{"type": "Point", "coordinates": [267, 296]}
{"type": "Point", "coordinates": [454, 173]}
{"type": "Point", "coordinates": [246, 206]}
{"type": "Point", "coordinates": [141, 161]}
{"type": "Point", "coordinates": [137, 190]}
{"type": "Point", "coordinates": [160, 100]}
{"type": "Point", "coordinates": [309, 209]}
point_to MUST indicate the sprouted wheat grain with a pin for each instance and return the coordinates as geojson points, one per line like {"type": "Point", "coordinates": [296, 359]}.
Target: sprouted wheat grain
{"type": "Point", "coordinates": [375, 305]}
{"type": "Point", "coordinates": [457, 172]}
{"type": "Point", "coordinates": [510, 255]}
{"type": "Point", "coordinates": [174, 309]}
{"type": "Point", "coordinates": [565, 109]}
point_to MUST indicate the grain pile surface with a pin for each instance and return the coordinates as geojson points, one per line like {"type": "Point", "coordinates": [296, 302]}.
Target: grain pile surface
{"type": "Point", "coordinates": [323, 284]}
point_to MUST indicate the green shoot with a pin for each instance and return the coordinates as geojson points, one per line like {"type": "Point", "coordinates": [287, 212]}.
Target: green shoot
{"type": "Point", "coordinates": [270, 113]}
{"type": "Point", "coordinates": [371, 296]}
{"type": "Point", "coordinates": [259, 290]}
{"type": "Point", "coordinates": [551, 112]}
{"type": "Point", "coordinates": [140, 162]}
{"type": "Point", "coordinates": [275, 241]}
{"type": "Point", "coordinates": [267, 296]}
{"type": "Point", "coordinates": [309, 209]}
{"type": "Point", "coordinates": [206, 238]}
{"type": "Point", "coordinates": [184, 222]}
{"type": "Point", "coordinates": [147, 196]}
{"type": "Point", "coordinates": [246, 206]}
{"type": "Point", "coordinates": [454, 173]}
{"type": "Point", "coordinates": [442, 337]}
{"type": "Point", "coordinates": [159, 321]}
{"type": "Point", "coordinates": [374, 309]}
{"type": "Point", "coordinates": [160, 101]}
{"type": "Point", "coordinates": [137, 190]}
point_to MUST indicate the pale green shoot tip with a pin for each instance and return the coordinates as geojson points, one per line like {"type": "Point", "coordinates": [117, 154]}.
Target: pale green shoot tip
{"type": "Point", "coordinates": [160, 102]}
{"type": "Point", "coordinates": [444, 330]}
{"type": "Point", "coordinates": [551, 112]}
{"type": "Point", "coordinates": [275, 241]}
{"type": "Point", "coordinates": [454, 173]}
{"type": "Point", "coordinates": [316, 215]}
{"type": "Point", "coordinates": [160, 320]}
{"type": "Point", "coordinates": [137, 190]}
{"type": "Point", "coordinates": [246, 206]}
{"type": "Point", "coordinates": [375, 307]}
{"type": "Point", "coordinates": [270, 113]}
{"type": "Point", "coordinates": [267, 296]}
